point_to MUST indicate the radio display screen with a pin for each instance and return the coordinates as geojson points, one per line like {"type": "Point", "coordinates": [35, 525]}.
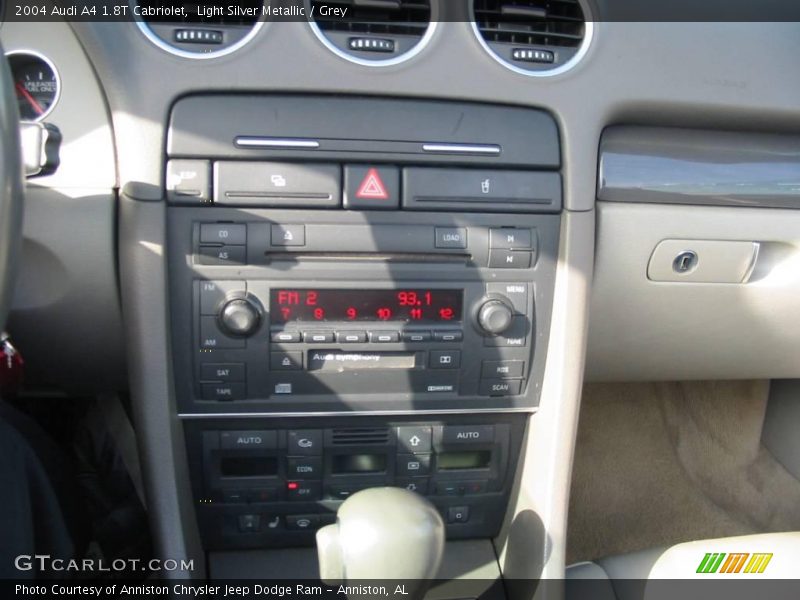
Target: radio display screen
{"type": "Point", "coordinates": [411, 306]}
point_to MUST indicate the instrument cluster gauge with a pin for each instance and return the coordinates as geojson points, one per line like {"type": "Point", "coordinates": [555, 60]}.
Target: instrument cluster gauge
{"type": "Point", "coordinates": [36, 84]}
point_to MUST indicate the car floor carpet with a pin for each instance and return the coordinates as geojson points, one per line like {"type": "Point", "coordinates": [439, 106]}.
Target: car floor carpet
{"type": "Point", "coordinates": [662, 463]}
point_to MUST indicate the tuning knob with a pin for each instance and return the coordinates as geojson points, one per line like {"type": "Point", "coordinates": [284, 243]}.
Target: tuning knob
{"type": "Point", "coordinates": [495, 316]}
{"type": "Point", "coordinates": [239, 317]}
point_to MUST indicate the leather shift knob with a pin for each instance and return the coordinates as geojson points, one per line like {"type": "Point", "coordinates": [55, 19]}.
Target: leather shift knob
{"type": "Point", "coordinates": [383, 533]}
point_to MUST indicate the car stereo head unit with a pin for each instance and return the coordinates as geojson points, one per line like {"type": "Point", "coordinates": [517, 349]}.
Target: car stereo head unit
{"type": "Point", "coordinates": [410, 306]}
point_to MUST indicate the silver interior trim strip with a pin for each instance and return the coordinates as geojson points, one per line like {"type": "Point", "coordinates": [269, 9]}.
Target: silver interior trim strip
{"type": "Point", "coordinates": [360, 413]}
{"type": "Point", "coordinates": [258, 142]}
{"type": "Point", "coordinates": [462, 148]}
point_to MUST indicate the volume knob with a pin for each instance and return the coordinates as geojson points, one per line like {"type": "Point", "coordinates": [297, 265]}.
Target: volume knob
{"type": "Point", "coordinates": [495, 316]}
{"type": "Point", "coordinates": [239, 317]}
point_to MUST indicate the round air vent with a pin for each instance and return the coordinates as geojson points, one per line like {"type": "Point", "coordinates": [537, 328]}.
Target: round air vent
{"type": "Point", "coordinates": [533, 37]}
{"type": "Point", "coordinates": [373, 32]}
{"type": "Point", "coordinates": [199, 29]}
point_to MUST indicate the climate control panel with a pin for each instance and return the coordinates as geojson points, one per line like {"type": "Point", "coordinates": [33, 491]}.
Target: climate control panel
{"type": "Point", "coordinates": [275, 483]}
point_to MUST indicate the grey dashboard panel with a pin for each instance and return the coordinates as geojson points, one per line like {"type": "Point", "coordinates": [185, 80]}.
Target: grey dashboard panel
{"type": "Point", "coordinates": [358, 128]}
{"type": "Point", "coordinates": [645, 330]}
{"type": "Point", "coordinates": [66, 317]}
{"type": "Point", "coordinates": [667, 74]}
{"type": "Point", "coordinates": [682, 166]}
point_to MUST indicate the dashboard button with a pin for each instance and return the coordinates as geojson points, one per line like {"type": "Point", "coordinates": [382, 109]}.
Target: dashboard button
{"type": "Point", "coordinates": [458, 514]}
{"type": "Point", "coordinates": [249, 523]}
{"type": "Point", "coordinates": [368, 187]}
{"type": "Point", "coordinates": [412, 439]}
{"type": "Point", "coordinates": [419, 485]}
{"type": "Point", "coordinates": [318, 337]}
{"type": "Point", "coordinates": [447, 335]}
{"type": "Point", "coordinates": [351, 337]}
{"type": "Point", "coordinates": [511, 239]}
{"type": "Point", "coordinates": [222, 255]}
{"type": "Point", "coordinates": [301, 491]}
{"type": "Point", "coordinates": [288, 235]}
{"type": "Point", "coordinates": [384, 337]}
{"type": "Point", "coordinates": [189, 181]}
{"type": "Point", "coordinates": [248, 440]}
{"type": "Point", "coordinates": [444, 359]}
{"type": "Point", "coordinates": [286, 361]}
{"type": "Point", "coordinates": [510, 259]}
{"type": "Point", "coordinates": [500, 387]}
{"type": "Point", "coordinates": [227, 234]}
{"type": "Point", "coordinates": [515, 336]}
{"type": "Point", "coordinates": [413, 464]}
{"type": "Point", "coordinates": [304, 468]}
{"type": "Point", "coordinates": [516, 292]}
{"type": "Point", "coordinates": [305, 442]}
{"type": "Point", "coordinates": [302, 522]}
{"type": "Point", "coordinates": [214, 293]}
{"type": "Point", "coordinates": [416, 336]}
{"type": "Point", "coordinates": [502, 369]}
{"type": "Point", "coordinates": [223, 372]}
{"type": "Point", "coordinates": [451, 237]}
{"type": "Point", "coordinates": [286, 337]}
{"type": "Point", "coordinates": [212, 338]}
{"type": "Point", "coordinates": [224, 391]}
{"type": "Point", "coordinates": [467, 434]}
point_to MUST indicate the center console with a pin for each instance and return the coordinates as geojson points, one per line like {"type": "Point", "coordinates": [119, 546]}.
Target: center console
{"type": "Point", "coordinates": [361, 293]}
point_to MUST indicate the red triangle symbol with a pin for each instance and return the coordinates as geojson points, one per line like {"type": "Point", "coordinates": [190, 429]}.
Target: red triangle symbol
{"type": "Point", "coordinates": [372, 187]}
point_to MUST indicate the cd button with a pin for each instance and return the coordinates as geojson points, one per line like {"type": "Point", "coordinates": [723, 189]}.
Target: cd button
{"type": "Point", "coordinates": [223, 233]}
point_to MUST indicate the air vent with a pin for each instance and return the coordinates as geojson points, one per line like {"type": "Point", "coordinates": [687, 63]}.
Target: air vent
{"type": "Point", "coordinates": [200, 29]}
{"type": "Point", "coordinates": [373, 32]}
{"type": "Point", "coordinates": [535, 37]}
{"type": "Point", "coordinates": [362, 436]}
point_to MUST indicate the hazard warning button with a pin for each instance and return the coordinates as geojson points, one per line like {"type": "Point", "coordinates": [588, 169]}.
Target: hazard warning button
{"type": "Point", "coordinates": [371, 187]}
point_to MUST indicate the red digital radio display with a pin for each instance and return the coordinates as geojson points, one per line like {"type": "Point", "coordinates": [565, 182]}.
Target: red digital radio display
{"type": "Point", "coordinates": [413, 306]}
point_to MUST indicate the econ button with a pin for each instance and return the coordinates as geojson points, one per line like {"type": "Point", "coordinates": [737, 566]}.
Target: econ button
{"type": "Point", "coordinates": [371, 187]}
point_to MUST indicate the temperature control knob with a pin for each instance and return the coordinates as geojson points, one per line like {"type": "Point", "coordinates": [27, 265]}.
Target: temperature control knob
{"type": "Point", "coordinates": [495, 316]}
{"type": "Point", "coordinates": [239, 317]}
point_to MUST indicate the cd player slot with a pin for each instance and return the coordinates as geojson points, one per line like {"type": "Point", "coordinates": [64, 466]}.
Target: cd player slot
{"type": "Point", "coordinates": [392, 257]}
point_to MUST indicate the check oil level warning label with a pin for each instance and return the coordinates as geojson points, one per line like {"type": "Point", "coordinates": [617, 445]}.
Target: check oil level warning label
{"type": "Point", "coordinates": [325, 360]}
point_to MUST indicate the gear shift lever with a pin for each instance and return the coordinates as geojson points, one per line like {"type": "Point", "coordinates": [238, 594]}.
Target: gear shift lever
{"type": "Point", "coordinates": [383, 533]}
